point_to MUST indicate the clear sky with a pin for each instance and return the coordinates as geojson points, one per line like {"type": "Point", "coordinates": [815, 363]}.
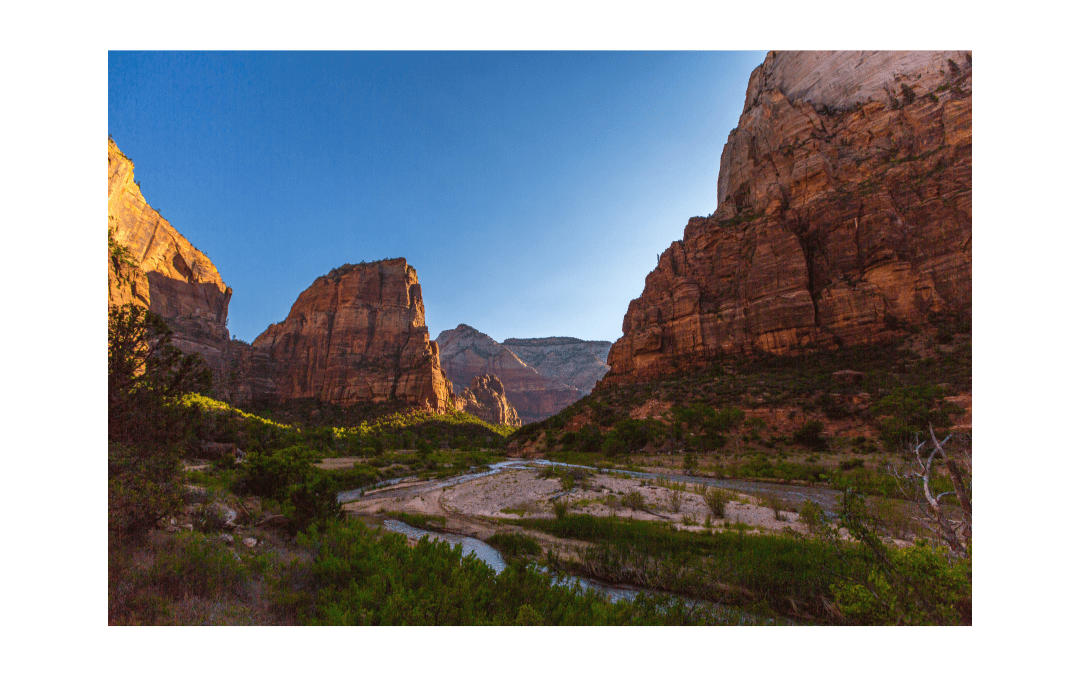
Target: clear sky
{"type": "Point", "coordinates": [532, 191]}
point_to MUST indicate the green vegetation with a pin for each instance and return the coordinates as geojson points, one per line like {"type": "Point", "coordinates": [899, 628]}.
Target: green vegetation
{"type": "Point", "coordinates": [316, 567]}
{"type": "Point", "coordinates": [780, 574]}
{"type": "Point", "coordinates": [357, 576]}
{"type": "Point", "coordinates": [716, 499]}
{"type": "Point", "coordinates": [907, 410]}
{"type": "Point", "coordinates": [147, 376]}
{"type": "Point", "coordinates": [514, 544]}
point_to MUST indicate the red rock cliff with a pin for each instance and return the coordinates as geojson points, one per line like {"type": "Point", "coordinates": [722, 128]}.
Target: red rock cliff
{"type": "Point", "coordinates": [167, 274]}
{"type": "Point", "coordinates": [358, 334]}
{"type": "Point", "coordinates": [843, 216]}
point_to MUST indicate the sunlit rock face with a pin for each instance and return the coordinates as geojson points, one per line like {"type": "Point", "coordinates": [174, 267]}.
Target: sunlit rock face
{"type": "Point", "coordinates": [166, 273]}
{"type": "Point", "coordinates": [843, 216]}
{"type": "Point", "coordinates": [541, 375]}
{"type": "Point", "coordinates": [486, 399]}
{"type": "Point", "coordinates": [357, 335]}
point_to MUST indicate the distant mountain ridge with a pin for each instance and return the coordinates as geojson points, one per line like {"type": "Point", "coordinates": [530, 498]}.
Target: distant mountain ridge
{"type": "Point", "coordinates": [541, 376]}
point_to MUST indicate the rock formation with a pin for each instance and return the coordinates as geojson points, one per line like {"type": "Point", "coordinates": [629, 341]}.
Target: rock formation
{"type": "Point", "coordinates": [162, 271]}
{"type": "Point", "coordinates": [541, 376]}
{"type": "Point", "coordinates": [357, 335]}
{"type": "Point", "coordinates": [843, 216]}
{"type": "Point", "coordinates": [486, 399]}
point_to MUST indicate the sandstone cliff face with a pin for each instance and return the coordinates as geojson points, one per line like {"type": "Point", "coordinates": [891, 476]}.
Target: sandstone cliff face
{"type": "Point", "coordinates": [843, 216]}
{"type": "Point", "coordinates": [466, 353]}
{"type": "Point", "coordinates": [167, 275]}
{"type": "Point", "coordinates": [358, 334]}
{"type": "Point", "coordinates": [486, 399]}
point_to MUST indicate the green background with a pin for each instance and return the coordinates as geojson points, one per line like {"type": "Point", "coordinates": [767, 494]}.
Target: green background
{"type": "Point", "coordinates": [55, 321]}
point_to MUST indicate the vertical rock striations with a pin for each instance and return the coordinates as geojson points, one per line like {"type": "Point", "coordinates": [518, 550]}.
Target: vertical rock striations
{"type": "Point", "coordinates": [357, 335]}
{"type": "Point", "coordinates": [486, 398]}
{"type": "Point", "coordinates": [843, 216]}
{"type": "Point", "coordinates": [164, 272]}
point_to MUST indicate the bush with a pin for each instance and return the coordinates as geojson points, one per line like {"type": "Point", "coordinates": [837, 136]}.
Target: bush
{"type": "Point", "coordinates": [144, 487]}
{"type": "Point", "coordinates": [313, 501]}
{"type": "Point", "coordinates": [810, 436]}
{"type": "Point", "coordinates": [631, 436]}
{"type": "Point", "coordinates": [147, 378]}
{"type": "Point", "coordinates": [813, 516]}
{"type": "Point", "coordinates": [633, 500]}
{"type": "Point", "coordinates": [923, 587]}
{"type": "Point", "coordinates": [560, 507]}
{"type": "Point", "coordinates": [909, 410]}
{"type": "Point", "coordinates": [716, 499]}
{"type": "Point", "coordinates": [272, 475]}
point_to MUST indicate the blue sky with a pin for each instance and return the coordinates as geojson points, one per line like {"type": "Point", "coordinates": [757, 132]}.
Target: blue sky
{"type": "Point", "coordinates": [531, 190]}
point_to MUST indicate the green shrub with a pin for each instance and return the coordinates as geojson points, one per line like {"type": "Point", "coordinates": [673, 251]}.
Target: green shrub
{"type": "Point", "coordinates": [273, 475]}
{"type": "Point", "coordinates": [144, 486]}
{"type": "Point", "coordinates": [921, 586]}
{"type": "Point", "coordinates": [911, 410]}
{"type": "Point", "coordinates": [813, 516]}
{"type": "Point", "coordinates": [633, 500]}
{"type": "Point", "coordinates": [716, 499]}
{"type": "Point", "coordinates": [809, 435]}
{"type": "Point", "coordinates": [560, 506]}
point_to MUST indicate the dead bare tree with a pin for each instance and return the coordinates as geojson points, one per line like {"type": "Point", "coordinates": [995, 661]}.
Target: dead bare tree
{"type": "Point", "coordinates": [915, 481]}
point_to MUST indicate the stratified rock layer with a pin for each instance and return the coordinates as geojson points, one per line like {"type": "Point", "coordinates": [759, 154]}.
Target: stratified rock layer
{"type": "Point", "coordinates": [167, 274]}
{"type": "Point", "coordinates": [541, 375]}
{"type": "Point", "coordinates": [486, 398]}
{"type": "Point", "coordinates": [843, 216]}
{"type": "Point", "coordinates": [357, 335]}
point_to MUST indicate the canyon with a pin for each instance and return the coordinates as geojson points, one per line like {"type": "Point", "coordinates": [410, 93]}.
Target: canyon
{"type": "Point", "coordinates": [843, 217]}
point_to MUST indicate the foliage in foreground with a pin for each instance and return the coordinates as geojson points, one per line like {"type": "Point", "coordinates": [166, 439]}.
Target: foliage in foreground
{"type": "Point", "coordinates": [357, 576]}
{"type": "Point", "coordinates": [147, 377]}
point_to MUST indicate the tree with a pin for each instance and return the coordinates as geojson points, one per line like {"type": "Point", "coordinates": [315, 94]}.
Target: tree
{"type": "Point", "coordinates": [921, 584]}
{"type": "Point", "coordinates": [147, 378]}
{"type": "Point", "coordinates": [916, 482]}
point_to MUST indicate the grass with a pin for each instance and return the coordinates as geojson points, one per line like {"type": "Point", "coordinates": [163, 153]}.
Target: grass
{"type": "Point", "coordinates": [514, 545]}
{"type": "Point", "coordinates": [790, 575]}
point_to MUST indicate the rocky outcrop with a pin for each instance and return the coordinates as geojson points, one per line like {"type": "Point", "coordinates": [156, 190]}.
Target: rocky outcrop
{"type": "Point", "coordinates": [578, 363]}
{"type": "Point", "coordinates": [154, 266]}
{"type": "Point", "coordinates": [843, 216]}
{"type": "Point", "coordinates": [357, 335]}
{"type": "Point", "coordinates": [486, 399]}
{"type": "Point", "coordinates": [546, 376]}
